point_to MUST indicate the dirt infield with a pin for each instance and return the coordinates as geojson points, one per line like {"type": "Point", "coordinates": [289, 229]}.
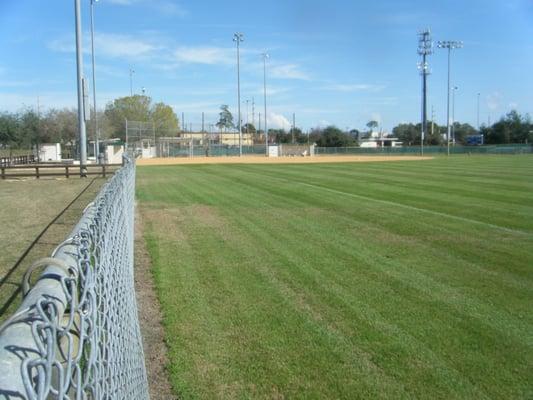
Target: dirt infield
{"type": "Point", "coordinates": [274, 160]}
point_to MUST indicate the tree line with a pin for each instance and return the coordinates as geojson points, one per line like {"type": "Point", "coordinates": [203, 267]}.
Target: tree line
{"type": "Point", "coordinates": [27, 128]}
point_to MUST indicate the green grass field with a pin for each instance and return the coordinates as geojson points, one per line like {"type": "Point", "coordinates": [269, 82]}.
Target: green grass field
{"type": "Point", "coordinates": [27, 207]}
{"type": "Point", "coordinates": [379, 280]}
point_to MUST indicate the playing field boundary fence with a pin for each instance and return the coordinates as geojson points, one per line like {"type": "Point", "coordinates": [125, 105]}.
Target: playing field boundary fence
{"type": "Point", "coordinates": [76, 334]}
{"type": "Point", "coordinates": [428, 150]}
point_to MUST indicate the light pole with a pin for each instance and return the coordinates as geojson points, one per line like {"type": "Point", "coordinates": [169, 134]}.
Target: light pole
{"type": "Point", "coordinates": [453, 114]}
{"type": "Point", "coordinates": [81, 91]}
{"type": "Point", "coordinates": [238, 38]}
{"type": "Point", "coordinates": [448, 44]}
{"type": "Point", "coordinates": [425, 48]}
{"type": "Point", "coordinates": [96, 138]}
{"type": "Point", "coordinates": [132, 71]}
{"type": "Point", "coordinates": [479, 94]}
{"type": "Point", "coordinates": [265, 57]}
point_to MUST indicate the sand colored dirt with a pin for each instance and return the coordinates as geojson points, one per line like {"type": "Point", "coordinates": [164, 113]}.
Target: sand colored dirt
{"type": "Point", "coordinates": [274, 160]}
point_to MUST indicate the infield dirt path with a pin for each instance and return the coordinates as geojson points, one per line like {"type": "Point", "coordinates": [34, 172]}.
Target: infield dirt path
{"type": "Point", "coordinates": [274, 160]}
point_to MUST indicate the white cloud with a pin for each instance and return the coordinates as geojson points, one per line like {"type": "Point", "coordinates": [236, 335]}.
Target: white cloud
{"type": "Point", "coordinates": [277, 121]}
{"type": "Point", "coordinates": [340, 87]}
{"type": "Point", "coordinates": [494, 101]}
{"type": "Point", "coordinates": [16, 101]}
{"type": "Point", "coordinates": [114, 45]}
{"type": "Point", "coordinates": [169, 8]}
{"type": "Point", "coordinates": [204, 55]}
{"type": "Point", "coordinates": [288, 71]}
{"type": "Point", "coordinates": [513, 105]}
{"type": "Point", "coordinates": [123, 2]}
{"type": "Point", "coordinates": [107, 44]}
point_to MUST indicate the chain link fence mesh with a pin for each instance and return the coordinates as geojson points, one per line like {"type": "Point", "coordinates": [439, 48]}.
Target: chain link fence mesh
{"type": "Point", "coordinates": [76, 334]}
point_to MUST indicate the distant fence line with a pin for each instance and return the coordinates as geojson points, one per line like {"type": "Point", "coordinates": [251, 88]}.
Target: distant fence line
{"type": "Point", "coordinates": [430, 150]}
{"type": "Point", "coordinates": [76, 334]}
{"type": "Point", "coordinates": [17, 160]}
{"type": "Point", "coordinates": [221, 150]}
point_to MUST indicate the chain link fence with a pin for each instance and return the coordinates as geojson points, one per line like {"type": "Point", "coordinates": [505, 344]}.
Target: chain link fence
{"type": "Point", "coordinates": [76, 334]}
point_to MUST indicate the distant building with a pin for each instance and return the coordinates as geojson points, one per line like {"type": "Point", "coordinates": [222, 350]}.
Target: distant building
{"type": "Point", "coordinates": [227, 138]}
{"type": "Point", "coordinates": [380, 139]}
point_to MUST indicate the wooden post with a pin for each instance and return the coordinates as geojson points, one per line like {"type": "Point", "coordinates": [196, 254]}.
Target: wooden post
{"type": "Point", "coordinates": [103, 170]}
{"type": "Point", "coordinates": [66, 171]}
{"type": "Point", "coordinates": [37, 172]}
{"type": "Point", "coordinates": [3, 173]}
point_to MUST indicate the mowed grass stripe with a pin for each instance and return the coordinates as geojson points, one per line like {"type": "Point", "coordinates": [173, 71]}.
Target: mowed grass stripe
{"type": "Point", "coordinates": [380, 186]}
{"type": "Point", "coordinates": [294, 291]}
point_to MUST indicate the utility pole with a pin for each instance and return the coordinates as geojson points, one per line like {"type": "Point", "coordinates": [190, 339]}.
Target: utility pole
{"type": "Point", "coordinates": [478, 95]}
{"type": "Point", "coordinates": [247, 116]}
{"type": "Point", "coordinates": [293, 126]}
{"type": "Point", "coordinates": [132, 71]}
{"type": "Point", "coordinates": [453, 114]}
{"type": "Point", "coordinates": [449, 44]}
{"type": "Point", "coordinates": [259, 122]}
{"type": "Point", "coordinates": [81, 103]}
{"type": "Point", "coordinates": [253, 112]}
{"type": "Point", "coordinates": [96, 138]}
{"type": "Point", "coordinates": [265, 57]}
{"type": "Point", "coordinates": [425, 48]}
{"type": "Point", "coordinates": [183, 126]}
{"type": "Point", "coordinates": [432, 120]}
{"type": "Point", "coordinates": [238, 38]}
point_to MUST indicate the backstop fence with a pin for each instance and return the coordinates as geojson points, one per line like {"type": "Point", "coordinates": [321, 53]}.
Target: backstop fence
{"type": "Point", "coordinates": [76, 334]}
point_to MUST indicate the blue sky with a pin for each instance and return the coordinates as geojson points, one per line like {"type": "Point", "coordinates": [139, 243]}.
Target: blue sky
{"type": "Point", "coordinates": [338, 62]}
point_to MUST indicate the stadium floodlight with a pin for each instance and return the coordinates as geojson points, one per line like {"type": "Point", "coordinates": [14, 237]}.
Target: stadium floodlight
{"type": "Point", "coordinates": [96, 135]}
{"type": "Point", "coordinates": [80, 79]}
{"type": "Point", "coordinates": [448, 44]}
{"type": "Point", "coordinates": [238, 38]}
{"type": "Point", "coordinates": [265, 57]}
{"type": "Point", "coordinates": [425, 48]}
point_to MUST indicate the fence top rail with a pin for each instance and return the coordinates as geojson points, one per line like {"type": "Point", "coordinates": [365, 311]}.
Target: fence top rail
{"type": "Point", "coordinates": [57, 166]}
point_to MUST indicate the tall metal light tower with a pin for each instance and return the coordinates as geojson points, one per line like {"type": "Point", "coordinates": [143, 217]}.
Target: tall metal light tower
{"type": "Point", "coordinates": [425, 48]}
{"type": "Point", "coordinates": [96, 138]}
{"type": "Point", "coordinates": [479, 94]}
{"type": "Point", "coordinates": [132, 71]}
{"type": "Point", "coordinates": [448, 44]}
{"type": "Point", "coordinates": [265, 57]}
{"type": "Point", "coordinates": [454, 89]}
{"type": "Point", "coordinates": [81, 91]}
{"type": "Point", "coordinates": [238, 38]}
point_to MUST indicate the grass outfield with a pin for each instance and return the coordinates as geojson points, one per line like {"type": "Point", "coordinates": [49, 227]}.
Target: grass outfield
{"type": "Point", "coordinates": [380, 280]}
{"type": "Point", "coordinates": [27, 207]}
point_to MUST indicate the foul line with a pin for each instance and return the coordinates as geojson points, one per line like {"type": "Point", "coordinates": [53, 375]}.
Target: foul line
{"type": "Point", "coordinates": [408, 207]}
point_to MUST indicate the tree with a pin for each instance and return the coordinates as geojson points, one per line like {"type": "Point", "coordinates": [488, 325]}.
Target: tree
{"type": "Point", "coordinates": [225, 120]}
{"type": "Point", "coordinates": [133, 108]}
{"type": "Point", "coordinates": [298, 135]}
{"type": "Point", "coordinates": [461, 131]}
{"type": "Point", "coordinates": [164, 118]}
{"type": "Point", "coordinates": [248, 128]}
{"type": "Point", "coordinates": [407, 133]}
{"type": "Point", "coordinates": [9, 129]}
{"type": "Point", "coordinates": [513, 128]}
{"type": "Point", "coordinates": [334, 137]}
{"type": "Point", "coordinates": [372, 125]}
{"type": "Point", "coordinates": [29, 127]}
